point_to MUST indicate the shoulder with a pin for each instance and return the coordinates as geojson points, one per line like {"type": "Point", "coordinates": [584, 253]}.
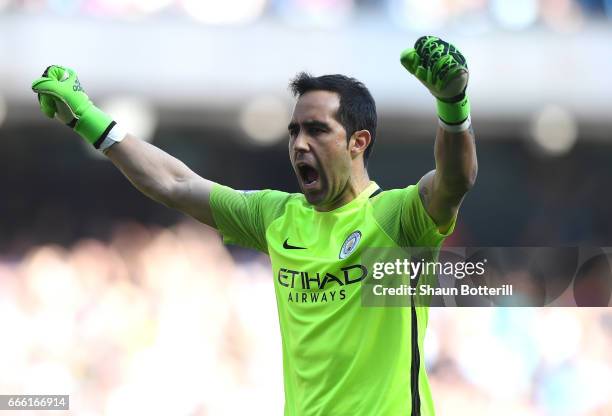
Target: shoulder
{"type": "Point", "coordinates": [258, 195]}
{"type": "Point", "coordinates": [275, 197]}
{"type": "Point", "coordinates": [395, 196]}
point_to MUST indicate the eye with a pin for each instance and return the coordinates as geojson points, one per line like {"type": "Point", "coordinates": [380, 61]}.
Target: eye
{"type": "Point", "coordinates": [315, 131]}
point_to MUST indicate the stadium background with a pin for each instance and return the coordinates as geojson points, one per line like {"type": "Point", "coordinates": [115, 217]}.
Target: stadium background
{"type": "Point", "coordinates": [133, 309]}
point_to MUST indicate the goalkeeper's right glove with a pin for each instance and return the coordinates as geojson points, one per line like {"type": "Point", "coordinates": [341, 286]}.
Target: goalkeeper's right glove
{"type": "Point", "coordinates": [61, 96]}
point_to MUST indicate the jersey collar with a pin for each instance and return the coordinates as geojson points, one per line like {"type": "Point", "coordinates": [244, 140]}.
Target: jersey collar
{"type": "Point", "coordinates": [369, 191]}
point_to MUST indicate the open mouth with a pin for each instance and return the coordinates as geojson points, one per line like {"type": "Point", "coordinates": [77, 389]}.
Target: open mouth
{"type": "Point", "coordinates": [308, 174]}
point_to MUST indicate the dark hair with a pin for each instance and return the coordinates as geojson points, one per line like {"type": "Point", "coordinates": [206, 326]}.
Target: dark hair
{"type": "Point", "coordinates": [357, 109]}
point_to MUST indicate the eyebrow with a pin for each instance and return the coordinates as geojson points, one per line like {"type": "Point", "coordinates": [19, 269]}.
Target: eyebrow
{"type": "Point", "coordinates": [309, 123]}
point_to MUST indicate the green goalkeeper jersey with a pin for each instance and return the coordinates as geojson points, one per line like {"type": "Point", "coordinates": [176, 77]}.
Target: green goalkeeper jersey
{"type": "Point", "coordinates": [339, 357]}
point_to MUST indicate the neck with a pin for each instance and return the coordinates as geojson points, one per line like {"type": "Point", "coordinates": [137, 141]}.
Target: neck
{"type": "Point", "coordinates": [354, 186]}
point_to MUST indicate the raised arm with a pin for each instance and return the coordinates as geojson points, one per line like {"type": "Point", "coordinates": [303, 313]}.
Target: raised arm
{"type": "Point", "coordinates": [163, 177]}
{"type": "Point", "coordinates": [442, 190]}
{"type": "Point", "coordinates": [151, 170]}
{"type": "Point", "coordinates": [443, 70]}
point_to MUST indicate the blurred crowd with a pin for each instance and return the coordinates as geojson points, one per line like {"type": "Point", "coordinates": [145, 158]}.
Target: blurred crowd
{"type": "Point", "coordinates": [411, 14]}
{"type": "Point", "coordinates": [168, 321]}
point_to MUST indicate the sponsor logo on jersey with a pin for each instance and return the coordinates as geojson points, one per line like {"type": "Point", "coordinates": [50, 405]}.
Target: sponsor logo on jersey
{"type": "Point", "coordinates": [323, 286]}
{"type": "Point", "coordinates": [350, 244]}
{"type": "Point", "coordinates": [319, 280]}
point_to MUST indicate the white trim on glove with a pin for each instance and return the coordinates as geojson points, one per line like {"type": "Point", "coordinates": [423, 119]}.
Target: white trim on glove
{"type": "Point", "coordinates": [114, 136]}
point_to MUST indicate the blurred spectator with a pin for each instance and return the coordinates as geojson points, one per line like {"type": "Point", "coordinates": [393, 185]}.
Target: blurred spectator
{"type": "Point", "coordinates": [165, 321]}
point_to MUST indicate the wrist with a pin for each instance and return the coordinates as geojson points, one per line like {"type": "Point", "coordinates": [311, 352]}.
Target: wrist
{"type": "Point", "coordinates": [453, 113]}
{"type": "Point", "coordinates": [115, 135]}
{"type": "Point", "coordinates": [456, 128]}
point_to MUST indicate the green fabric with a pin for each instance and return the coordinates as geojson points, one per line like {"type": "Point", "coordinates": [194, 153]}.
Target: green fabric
{"type": "Point", "coordinates": [454, 113]}
{"type": "Point", "coordinates": [60, 92]}
{"type": "Point", "coordinates": [339, 357]}
{"type": "Point", "coordinates": [444, 71]}
{"type": "Point", "coordinates": [243, 216]}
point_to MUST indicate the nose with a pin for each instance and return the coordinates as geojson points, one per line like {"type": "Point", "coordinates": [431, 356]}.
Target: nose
{"type": "Point", "coordinates": [300, 143]}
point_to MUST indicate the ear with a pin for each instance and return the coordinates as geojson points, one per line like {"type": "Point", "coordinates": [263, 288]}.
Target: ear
{"type": "Point", "coordinates": [360, 140]}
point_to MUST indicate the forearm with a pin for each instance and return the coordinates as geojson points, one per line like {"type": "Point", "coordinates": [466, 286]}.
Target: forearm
{"type": "Point", "coordinates": [456, 162]}
{"type": "Point", "coordinates": [151, 170]}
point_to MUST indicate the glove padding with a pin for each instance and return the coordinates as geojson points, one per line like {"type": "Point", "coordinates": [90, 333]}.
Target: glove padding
{"type": "Point", "coordinates": [60, 95]}
{"type": "Point", "coordinates": [439, 66]}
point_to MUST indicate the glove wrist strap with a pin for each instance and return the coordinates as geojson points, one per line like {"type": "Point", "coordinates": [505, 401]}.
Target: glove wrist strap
{"type": "Point", "coordinates": [456, 128]}
{"type": "Point", "coordinates": [94, 125]}
{"type": "Point", "coordinates": [453, 113]}
{"type": "Point", "coordinates": [115, 135]}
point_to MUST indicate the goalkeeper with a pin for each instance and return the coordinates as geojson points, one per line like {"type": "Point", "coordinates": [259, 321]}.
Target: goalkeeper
{"type": "Point", "coordinates": [339, 358]}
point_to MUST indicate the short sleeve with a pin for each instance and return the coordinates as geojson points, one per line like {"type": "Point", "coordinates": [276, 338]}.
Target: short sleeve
{"type": "Point", "coordinates": [418, 227]}
{"type": "Point", "coordinates": [242, 217]}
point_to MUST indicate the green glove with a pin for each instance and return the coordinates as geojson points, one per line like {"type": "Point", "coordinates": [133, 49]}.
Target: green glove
{"type": "Point", "coordinates": [60, 95]}
{"type": "Point", "coordinates": [443, 70]}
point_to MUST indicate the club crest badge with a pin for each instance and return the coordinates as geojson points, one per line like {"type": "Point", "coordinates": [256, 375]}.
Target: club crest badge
{"type": "Point", "coordinates": [350, 244]}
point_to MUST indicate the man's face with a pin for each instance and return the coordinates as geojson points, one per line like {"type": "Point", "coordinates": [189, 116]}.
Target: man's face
{"type": "Point", "coordinates": [318, 147]}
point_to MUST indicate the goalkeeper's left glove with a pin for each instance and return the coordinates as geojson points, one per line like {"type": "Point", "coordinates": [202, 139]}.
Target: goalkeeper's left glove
{"type": "Point", "coordinates": [443, 70]}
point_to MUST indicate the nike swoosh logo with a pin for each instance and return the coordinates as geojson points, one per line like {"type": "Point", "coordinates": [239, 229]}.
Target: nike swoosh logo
{"type": "Point", "coordinates": [288, 246]}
